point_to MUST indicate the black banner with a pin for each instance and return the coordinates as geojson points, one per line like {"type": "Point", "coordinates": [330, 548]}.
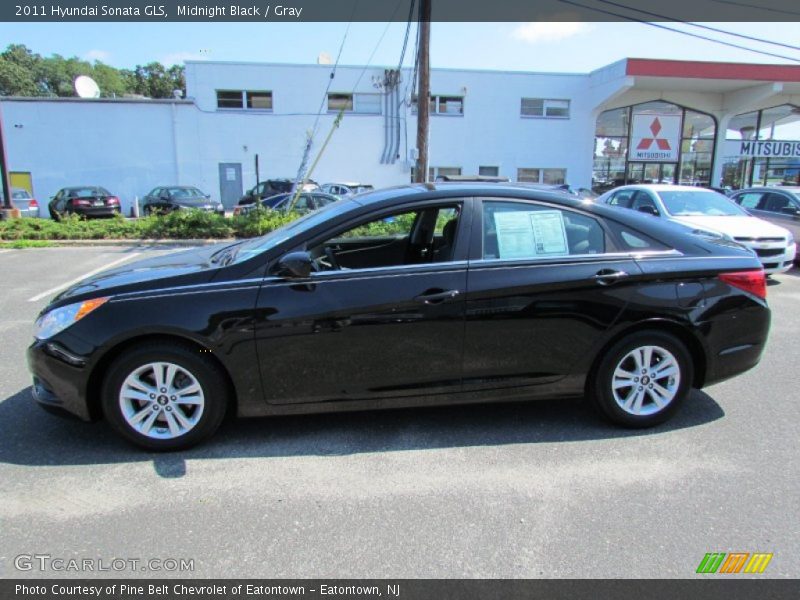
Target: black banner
{"type": "Point", "coordinates": [396, 10]}
{"type": "Point", "coordinates": [405, 589]}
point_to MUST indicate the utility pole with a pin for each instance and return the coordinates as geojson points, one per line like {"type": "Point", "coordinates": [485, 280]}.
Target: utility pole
{"type": "Point", "coordinates": [424, 92]}
{"type": "Point", "coordinates": [7, 206]}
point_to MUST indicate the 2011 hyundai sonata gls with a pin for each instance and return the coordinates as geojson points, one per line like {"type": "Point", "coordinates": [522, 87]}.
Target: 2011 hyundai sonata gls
{"type": "Point", "coordinates": [418, 295]}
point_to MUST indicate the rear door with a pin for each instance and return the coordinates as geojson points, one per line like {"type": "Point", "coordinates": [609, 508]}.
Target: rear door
{"type": "Point", "coordinates": [545, 283]}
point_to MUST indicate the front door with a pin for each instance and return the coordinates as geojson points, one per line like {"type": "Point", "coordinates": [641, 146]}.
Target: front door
{"type": "Point", "coordinates": [230, 184]}
{"type": "Point", "coordinates": [382, 316]}
{"type": "Point", "coordinates": [544, 286]}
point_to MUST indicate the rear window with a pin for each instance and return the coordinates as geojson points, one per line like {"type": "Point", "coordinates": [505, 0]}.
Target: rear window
{"type": "Point", "coordinates": [632, 240]}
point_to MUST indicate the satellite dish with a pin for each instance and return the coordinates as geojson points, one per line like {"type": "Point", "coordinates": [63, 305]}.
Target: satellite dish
{"type": "Point", "coordinates": [86, 87]}
{"type": "Point", "coordinates": [324, 59]}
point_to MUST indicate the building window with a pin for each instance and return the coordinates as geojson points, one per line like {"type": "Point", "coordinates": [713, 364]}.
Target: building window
{"type": "Point", "coordinates": [489, 171]}
{"type": "Point", "coordinates": [258, 100]}
{"type": "Point", "coordinates": [229, 99]}
{"type": "Point", "coordinates": [625, 146]}
{"type": "Point", "coordinates": [366, 104]}
{"type": "Point", "coordinates": [548, 176]}
{"type": "Point", "coordinates": [249, 99]}
{"type": "Point", "coordinates": [544, 107]}
{"type": "Point", "coordinates": [554, 176]}
{"type": "Point", "coordinates": [528, 175]}
{"type": "Point", "coordinates": [442, 105]}
{"type": "Point", "coordinates": [435, 173]}
{"type": "Point", "coordinates": [748, 163]}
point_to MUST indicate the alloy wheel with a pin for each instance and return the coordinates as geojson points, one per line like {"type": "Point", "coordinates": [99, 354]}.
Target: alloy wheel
{"type": "Point", "coordinates": [646, 380]}
{"type": "Point", "coordinates": [161, 400]}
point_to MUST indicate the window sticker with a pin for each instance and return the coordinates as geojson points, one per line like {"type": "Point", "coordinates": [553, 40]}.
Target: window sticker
{"type": "Point", "coordinates": [549, 232]}
{"type": "Point", "coordinates": [514, 234]}
{"type": "Point", "coordinates": [525, 234]}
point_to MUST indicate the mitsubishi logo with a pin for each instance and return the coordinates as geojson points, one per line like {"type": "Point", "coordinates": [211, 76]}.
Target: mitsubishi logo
{"type": "Point", "coordinates": [655, 128]}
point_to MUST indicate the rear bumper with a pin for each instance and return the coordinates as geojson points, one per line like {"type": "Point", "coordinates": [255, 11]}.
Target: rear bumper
{"type": "Point", "coordinates": [98, 212]}
{"type": "Point", "coordinates": [736, 343]}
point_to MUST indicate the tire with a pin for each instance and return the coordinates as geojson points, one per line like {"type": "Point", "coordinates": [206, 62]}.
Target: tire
{"type": "Point", "coordinates": [182, 419]}
{"type": "Point", "coordinates": [630, 393]}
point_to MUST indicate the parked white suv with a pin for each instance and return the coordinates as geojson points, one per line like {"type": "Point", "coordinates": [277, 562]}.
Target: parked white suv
{"type": "Point", "coordinates": [710, 213]}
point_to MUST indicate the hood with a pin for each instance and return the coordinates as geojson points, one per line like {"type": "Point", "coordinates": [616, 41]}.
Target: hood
{"type": "Point", "coordinates": [176, 268]}
{"type": "Point", "coordinates": [739, 226]}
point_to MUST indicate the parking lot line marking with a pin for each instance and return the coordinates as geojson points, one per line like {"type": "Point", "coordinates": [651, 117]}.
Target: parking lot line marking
{"type": "Point", "coordinates": [53, 290]}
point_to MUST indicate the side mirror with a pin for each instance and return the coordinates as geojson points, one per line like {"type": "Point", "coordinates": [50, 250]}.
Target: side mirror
{"type": "Point", "coordinates": [791, 210]}
{"type": "Point", "coordinates": [295, 265]}
{"type": "Point", "coordinates": [648, 210]}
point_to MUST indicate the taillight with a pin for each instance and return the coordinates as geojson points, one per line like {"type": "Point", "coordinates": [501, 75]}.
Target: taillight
{"type": "Point", "coordinates": [753, 282]}
{"type": "Point", "coordinates": [33, 203]}
{"type": "Point", "coordinates": [112, 200]}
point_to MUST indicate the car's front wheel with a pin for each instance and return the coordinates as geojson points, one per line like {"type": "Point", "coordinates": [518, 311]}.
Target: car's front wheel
{"type": "Point", "coordinates": [164, 396]}
{"type": "Point", "coordinates": [643, 378]}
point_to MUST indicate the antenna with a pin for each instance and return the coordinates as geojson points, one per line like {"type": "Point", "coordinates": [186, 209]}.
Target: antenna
{"type": "Point", "coordinates": [86, 87]}
{"type": "Point", "coordinates": [324, 59]}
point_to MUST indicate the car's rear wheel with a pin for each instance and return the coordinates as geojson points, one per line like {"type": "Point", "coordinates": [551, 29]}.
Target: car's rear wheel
{"type": "Point", "coordinates": [643, 378]}
{"type": "Point", "coordinates": [164, 396]}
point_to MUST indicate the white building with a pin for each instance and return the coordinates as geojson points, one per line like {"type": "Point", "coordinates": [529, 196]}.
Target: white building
{"type": "Point", "coordinates": [590, 130]}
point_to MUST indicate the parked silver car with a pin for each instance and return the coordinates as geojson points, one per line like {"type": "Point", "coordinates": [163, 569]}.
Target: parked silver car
{"type": "Point", "coordinates": [22, 199]}
{"type": "Point", "coordinates": [346, 189]}
{"type": "Point", "coordinates": [780, 205]}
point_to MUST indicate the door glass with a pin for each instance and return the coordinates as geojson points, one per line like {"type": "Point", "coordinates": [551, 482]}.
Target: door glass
{"type": "Point", "coordinates": [775, 203]}
{"type": "Point", "coordinates": [749, 200]}
{"type": "Point", "coordinates": [521, 230]}
{"type": "Point", "coordinates": [410, 237]}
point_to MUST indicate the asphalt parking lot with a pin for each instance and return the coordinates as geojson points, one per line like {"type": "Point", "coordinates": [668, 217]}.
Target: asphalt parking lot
{"type": "Point", "coordinates": [518, 490]}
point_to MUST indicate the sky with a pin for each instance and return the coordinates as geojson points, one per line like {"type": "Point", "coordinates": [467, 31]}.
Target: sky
{"type": "Point", "coordinates": [548, 47]}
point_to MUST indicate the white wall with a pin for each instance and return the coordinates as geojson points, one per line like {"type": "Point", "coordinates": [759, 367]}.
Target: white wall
{"type": "Point", "coordinates": [132, 146]}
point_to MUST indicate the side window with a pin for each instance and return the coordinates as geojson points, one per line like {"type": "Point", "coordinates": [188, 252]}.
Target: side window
{"type": "Point", "coordinates": [643, 199]}
{"type": "Point", "coordinates": [775, 203]}
{"type": "Point", "coordinates": [303, 204]}
{"type": "Point", "coordinates": [426, 235]}
{"type": "Point", "coordinates": [749, 200]}
{"type": "Point", "coordinates": [633, 240]}
{"type": "Point", "coordinates": [525, 230]}
{"type": "Point", "coordinates": [621, 198]}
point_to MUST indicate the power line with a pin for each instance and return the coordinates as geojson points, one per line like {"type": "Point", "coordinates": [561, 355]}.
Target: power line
{"type": "Point", "coordinates": [672, 29]}
{"type": "Point", "coordinates": [408, 30]}
{"type": "Point", "coordinates": [758, 7]}
{"type": "Point", "coordinates": [706, 27]}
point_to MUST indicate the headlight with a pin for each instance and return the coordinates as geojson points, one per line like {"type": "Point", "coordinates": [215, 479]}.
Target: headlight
{"type": "Point", "coordinates": [59, 319]}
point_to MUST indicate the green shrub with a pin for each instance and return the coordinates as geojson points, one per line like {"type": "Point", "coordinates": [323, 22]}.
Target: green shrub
{"type": "Point", "coordinates": [186, 224]}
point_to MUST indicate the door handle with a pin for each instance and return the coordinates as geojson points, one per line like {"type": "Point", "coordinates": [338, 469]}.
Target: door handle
{"type": "Point", "coordinates": [609, 276]}
{"type": "Point", "coordinates": [436, 296]}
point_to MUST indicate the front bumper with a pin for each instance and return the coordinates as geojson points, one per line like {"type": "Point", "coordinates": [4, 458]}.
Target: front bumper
{"type": "Point", "coordinates": [775, 257]}
{"type": "Point", "coordinates": [59, 379]}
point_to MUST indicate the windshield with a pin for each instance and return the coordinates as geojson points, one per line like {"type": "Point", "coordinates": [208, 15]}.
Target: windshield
{"type": "Point", "coordinates": [89, 192]}
{"type": "Point", "coordinates": [697, 203]}
{"type": "Point", "coordinates": [266, 242]}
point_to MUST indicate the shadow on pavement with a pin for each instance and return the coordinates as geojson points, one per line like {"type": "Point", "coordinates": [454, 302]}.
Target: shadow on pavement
{"type": "Point", "coordinates": [30, 436]}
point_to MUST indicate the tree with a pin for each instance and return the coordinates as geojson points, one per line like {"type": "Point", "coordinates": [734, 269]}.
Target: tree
{"type": "Point", "coordinates": [24, 73]}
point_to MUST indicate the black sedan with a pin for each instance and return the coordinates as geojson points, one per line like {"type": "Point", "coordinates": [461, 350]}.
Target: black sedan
{"type": "Point", "coordinates": [169, 198]}
{"type": "Point", "coordinates": [89, 201]}
{"type": "Point", "coordinates": [306, 202]}
{"type": "Point", "coordinates": [420, 295]}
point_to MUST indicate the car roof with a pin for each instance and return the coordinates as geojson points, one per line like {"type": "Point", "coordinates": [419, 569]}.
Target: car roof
{"type": "Point", "coordinates": [794, 189]}
{"type": "Point", "coordinates": [458, 189]}
{"type": "Point", "coordinates": [665, 187]}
